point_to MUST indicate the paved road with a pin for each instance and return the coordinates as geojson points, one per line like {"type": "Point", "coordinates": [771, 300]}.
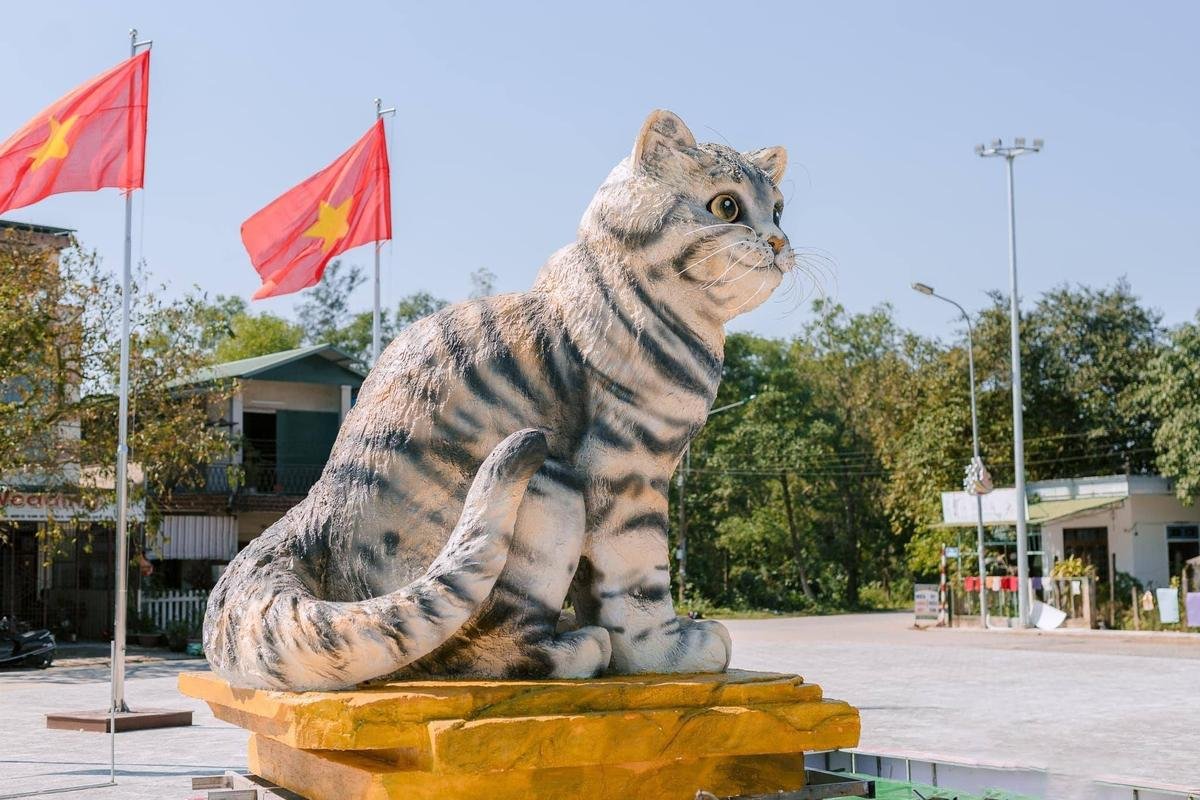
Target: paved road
{"type": "Point", "coordinates": [1084, 705]}
{"type": "Point", "coordinates": [151, 765]}
{"type": "Point", "coordinates": [1123, 706]}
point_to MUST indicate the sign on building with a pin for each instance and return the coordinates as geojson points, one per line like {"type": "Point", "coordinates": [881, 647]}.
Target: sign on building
{"type": "Point", "coordinates": [1000, 506]}
{"type": "Point", "coordinates": [41, 506]}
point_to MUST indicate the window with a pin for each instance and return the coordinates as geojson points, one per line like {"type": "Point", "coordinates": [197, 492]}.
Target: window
{"type": "Point", "coordinates": [1183, 543]}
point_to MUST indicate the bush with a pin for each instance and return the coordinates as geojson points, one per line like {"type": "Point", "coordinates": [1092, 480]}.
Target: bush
{"type": "Point", "coordinates": [1072, 567]}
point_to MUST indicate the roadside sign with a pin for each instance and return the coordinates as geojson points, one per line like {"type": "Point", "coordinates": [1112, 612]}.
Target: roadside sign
{"type": "Point", "coordinates": [925, 601]}
{"type": "Point", "coordinates": [951, 552]}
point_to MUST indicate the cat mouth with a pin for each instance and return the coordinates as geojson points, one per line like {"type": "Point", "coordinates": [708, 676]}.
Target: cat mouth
{"type": "Point", "coordinates": [789, 264]}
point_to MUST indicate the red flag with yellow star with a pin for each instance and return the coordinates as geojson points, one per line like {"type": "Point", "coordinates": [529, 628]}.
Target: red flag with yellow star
{"type": "Point", "coordinates": [92, 138]}
{"type": "Point", "coordinates": [348, 203]}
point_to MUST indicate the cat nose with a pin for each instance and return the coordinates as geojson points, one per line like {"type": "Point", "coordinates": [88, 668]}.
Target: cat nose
{"type": "Point", "coordinates": [776, 242]}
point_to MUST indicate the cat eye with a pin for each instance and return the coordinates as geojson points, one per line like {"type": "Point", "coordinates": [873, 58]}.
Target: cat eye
{"type": "Point", "coordinates": [778, 212]}
{"type": "Point", "coordinates": [724, 207]}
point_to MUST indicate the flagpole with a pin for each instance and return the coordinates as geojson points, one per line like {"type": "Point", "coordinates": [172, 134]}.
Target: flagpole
{"type": "Point", "coordinates": [118, 665]}
{"type": "Point", "coordinates": [376, 333]}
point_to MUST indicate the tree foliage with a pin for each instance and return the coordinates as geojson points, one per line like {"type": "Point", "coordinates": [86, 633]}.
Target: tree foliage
{"type": "Point", "coordinates": [60, 324]}
{"type": "Point", "coordinates": [1172, 395]}
{"type": "Point", "coordinates": [252, 335]}
{"type": "Point", "coordinates": [326, 316]}
{"type": "Point", "coordinates": [829, 481]}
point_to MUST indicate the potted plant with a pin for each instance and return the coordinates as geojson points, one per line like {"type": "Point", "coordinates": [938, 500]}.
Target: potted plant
{"type": "Point", "coordinates": [177, 635]}
{"type": "Point", "coordinates": [146, 631]}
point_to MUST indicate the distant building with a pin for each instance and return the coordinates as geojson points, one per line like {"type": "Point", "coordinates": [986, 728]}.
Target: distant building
{"type": "Point", "coordinates": [285, 412]}
{"type": "Point", "coordinates": [1137, 518]}
{"type": "Point", "coordinates": [53, 239]}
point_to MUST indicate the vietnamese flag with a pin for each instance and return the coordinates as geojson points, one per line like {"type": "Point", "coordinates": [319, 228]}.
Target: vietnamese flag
{"type": "Point", "coordinates": [92, 138]}
{"type": "Point", "coordinates": [344, 205]}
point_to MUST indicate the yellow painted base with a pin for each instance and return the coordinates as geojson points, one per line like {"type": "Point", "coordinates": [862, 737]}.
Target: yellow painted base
{"type": "Point", "coordinates": [653, 737]}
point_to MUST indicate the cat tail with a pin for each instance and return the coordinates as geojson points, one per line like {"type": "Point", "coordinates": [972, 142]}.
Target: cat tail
{"type": "Point", "coordinates": [266, 629]}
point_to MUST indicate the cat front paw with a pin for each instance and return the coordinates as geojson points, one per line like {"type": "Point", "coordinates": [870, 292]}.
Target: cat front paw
{"type": "Point", "coordinates": [680, 645]}
{"type": "Point", "coordinates": [707, 645]}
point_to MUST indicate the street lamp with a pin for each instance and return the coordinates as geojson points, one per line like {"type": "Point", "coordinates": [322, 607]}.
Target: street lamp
{"type": "Point", "coordinates": [928, 290]}
{"type": "Point", "coordinates": [681, 482]}
{"type": "Point", "coordinates": [997, 149]}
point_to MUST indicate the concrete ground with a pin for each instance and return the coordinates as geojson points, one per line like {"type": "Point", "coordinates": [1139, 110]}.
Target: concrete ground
{"type": "Point", "coordinates": [1096, 704]}
{"type": "Point", "coordinates": [1091, 705]}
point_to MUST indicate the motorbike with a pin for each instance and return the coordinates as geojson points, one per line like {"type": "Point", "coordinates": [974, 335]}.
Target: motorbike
{"type": "Point", "coordinates": [29, 649]}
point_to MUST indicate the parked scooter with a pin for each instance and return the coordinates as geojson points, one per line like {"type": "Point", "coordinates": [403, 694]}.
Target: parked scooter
{"type": "Point", "coordinates": [29, 649]}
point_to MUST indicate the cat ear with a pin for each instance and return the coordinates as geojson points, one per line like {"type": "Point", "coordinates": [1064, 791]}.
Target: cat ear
{"type": "Point", "coordinates": [661, 131]}
{"type": "Point", "coordinates": [771, 160]}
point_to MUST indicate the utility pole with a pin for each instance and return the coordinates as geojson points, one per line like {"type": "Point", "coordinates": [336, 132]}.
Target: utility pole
{"type": "Point", "coordinates": [681, 484]}
{"type": "Point", "coordinates": [997, 149]}
{"type": "Point", "coordinates": [977, 462]}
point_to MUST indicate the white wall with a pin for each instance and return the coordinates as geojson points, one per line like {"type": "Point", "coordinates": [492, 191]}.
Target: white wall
{"type": "Point", "coordinates": [1152, 514]}
{"type": "Point", "coordinates": [265, 396]}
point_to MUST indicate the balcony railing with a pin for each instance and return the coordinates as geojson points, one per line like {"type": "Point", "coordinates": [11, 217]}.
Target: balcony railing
{"type": "Point", "coordinates": [253, 478]}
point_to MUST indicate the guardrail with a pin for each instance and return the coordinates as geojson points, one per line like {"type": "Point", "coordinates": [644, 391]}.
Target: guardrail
{"type": "Point", "coordinates": [254, 479]}
{"type": "Point", "coordinates": [977, 778]}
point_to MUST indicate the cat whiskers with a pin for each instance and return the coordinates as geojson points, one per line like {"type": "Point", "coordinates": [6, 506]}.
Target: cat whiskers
{"type": "Point", "coordinates": [751, 297]}
{"type": "Point", "coordinates": [720, 278]}
{"type": "Point", "coordinates": [751, 270]}
{"type": "Point", "coordinates": [700, 261]}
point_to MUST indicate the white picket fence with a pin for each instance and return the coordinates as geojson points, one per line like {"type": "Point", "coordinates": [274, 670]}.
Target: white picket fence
{"type": "Point", "coordinates": [174, 606]}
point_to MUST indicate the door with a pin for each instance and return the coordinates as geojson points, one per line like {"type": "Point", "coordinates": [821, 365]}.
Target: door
{"type": "Point", "coordinates": [1090, 545]}
{"type": "Point", "coordinates": [304, 441]}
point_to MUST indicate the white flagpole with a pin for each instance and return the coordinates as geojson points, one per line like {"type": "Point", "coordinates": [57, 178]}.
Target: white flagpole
{"type": "Point", "coordinates": [118, 665]}
{"type": "Point", "coordinates": [376, 333]}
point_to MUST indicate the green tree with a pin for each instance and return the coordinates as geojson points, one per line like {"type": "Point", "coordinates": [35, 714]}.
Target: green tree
{"type": "Point", "coordinates": [60, 324]}
{"type": "Point", "coordinates": [326, 316]}
{"type": "Point", "coordinates": [326, 307]}
{"type": "Point", "coordinates": [1172, 395]}
{"type": "Point", "coordinates": [250, 335]}
{"type": "Point", "coordinates": [483, 283]}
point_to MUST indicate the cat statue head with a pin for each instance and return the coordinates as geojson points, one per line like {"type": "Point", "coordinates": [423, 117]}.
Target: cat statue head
{"type": "Point", "coordinates": [697, 225]}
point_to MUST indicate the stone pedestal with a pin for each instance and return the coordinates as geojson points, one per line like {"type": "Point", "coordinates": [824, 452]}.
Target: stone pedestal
{"type": "Point", "coordinates": [634, 738]}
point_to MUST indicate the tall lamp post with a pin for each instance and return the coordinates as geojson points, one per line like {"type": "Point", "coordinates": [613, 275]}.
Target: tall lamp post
{"type": "Point", "coordinates": [928, 290]}
{"type": "Point", "coordinates": [997, 149]}
{"type": "Point", "coordinates": [681, 482]}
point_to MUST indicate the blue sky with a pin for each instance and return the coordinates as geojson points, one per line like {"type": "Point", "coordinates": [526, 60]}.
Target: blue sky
{"type": "Point", "coordinates": [511, 114]}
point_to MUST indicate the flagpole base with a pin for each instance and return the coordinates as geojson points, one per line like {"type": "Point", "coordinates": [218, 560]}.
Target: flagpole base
{"type": "Point", "coordinates": [98, 721]}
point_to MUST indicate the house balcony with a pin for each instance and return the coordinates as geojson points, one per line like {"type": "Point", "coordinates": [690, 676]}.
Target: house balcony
{"type": "Point", "coordinates": [245, 487]}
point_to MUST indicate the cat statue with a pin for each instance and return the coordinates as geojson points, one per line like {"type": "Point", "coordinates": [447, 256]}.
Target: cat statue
{"type": "Point", "coordinates": [510, 453]}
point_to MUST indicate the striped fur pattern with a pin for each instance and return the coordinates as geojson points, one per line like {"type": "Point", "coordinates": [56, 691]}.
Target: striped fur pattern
{"type": "Point", "coordinates": [440, 543]}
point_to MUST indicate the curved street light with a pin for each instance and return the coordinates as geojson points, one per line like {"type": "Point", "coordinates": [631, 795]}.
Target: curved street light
{"type": "Point", "coordinates": [928, 290]}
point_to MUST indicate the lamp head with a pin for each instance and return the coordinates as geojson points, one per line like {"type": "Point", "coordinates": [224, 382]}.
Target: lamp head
{"type": "Point", "coordinates": [922, 288]}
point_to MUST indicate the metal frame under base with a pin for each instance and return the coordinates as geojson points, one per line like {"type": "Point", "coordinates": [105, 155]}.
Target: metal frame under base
{"type": "Point", "coordinates": [818, 785]}
{"type": "Point", "coordinates": [239, 786]}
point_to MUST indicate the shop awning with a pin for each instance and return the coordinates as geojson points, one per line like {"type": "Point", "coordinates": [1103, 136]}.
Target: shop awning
{"type": "Point", "coordinates": [207, 538]}
{"type": "Point", "coordinates": [1048, 511]}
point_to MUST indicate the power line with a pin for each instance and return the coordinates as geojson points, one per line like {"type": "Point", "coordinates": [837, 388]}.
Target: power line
{"type": "Point", "coordinates": [808, 469]}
